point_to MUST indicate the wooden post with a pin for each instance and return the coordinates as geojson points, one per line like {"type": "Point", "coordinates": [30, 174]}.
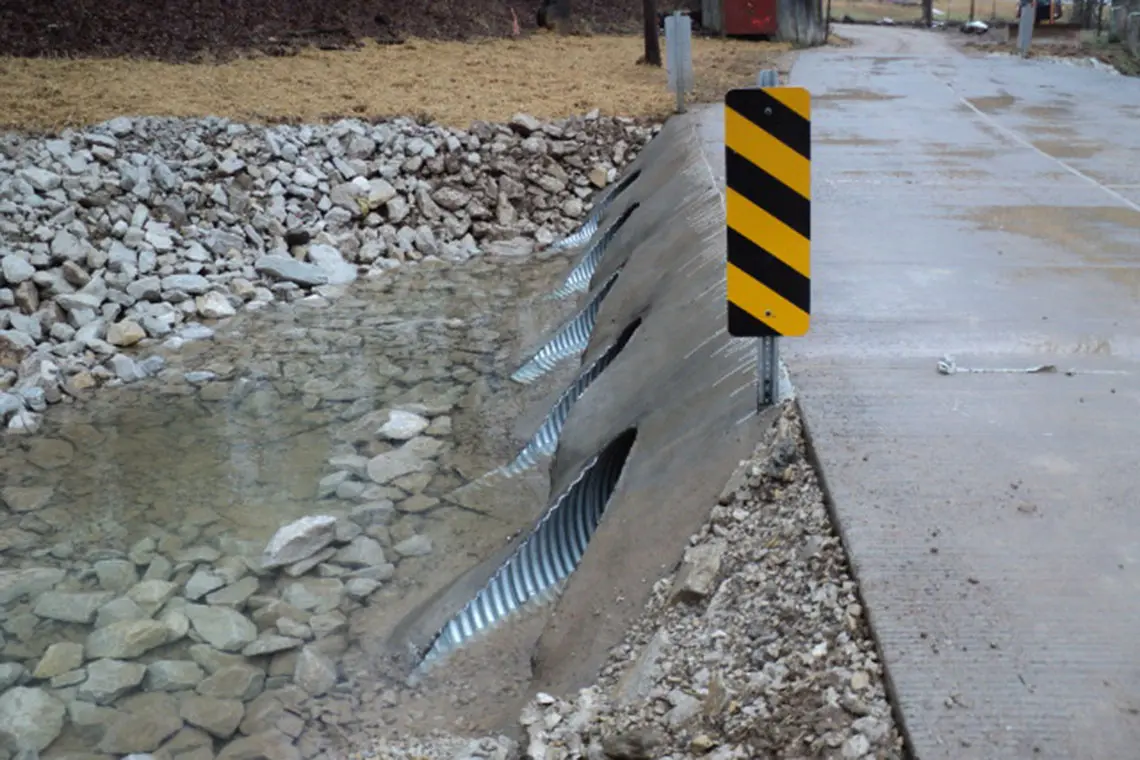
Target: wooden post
{"type": "Point", "coordinates": [800, 22]}
{"type": "Point", "coordinates": [652, 43]}
{"type": "Point", "coordinates": [560, 9]}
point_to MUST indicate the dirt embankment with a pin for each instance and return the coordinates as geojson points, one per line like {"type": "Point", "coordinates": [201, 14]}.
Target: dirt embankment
{"type": "Point", "coordinates": [192, 29]}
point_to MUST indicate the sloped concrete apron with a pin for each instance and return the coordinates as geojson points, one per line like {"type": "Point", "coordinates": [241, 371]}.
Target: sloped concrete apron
{"type": "Point", "coordinates": [682, 382]}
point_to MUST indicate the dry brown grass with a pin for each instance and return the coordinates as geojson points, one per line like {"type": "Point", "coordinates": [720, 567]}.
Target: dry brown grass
{"type": "Point", "coordinates": [546, 75]}
{"type": "Point", "coordinates": [952, 10]}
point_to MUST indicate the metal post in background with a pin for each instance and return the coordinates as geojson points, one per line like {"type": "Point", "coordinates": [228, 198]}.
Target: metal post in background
{"type": "Point", "coordinates": [1025, 26]}
{"type": "Point", "coordinates": [679, 55]}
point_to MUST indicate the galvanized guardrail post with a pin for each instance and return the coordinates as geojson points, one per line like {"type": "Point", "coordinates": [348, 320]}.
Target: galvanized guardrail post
{"type": "Point", "coordinates": [1025, 25]}
{"type": "Point", "coordinates": [679, 55]}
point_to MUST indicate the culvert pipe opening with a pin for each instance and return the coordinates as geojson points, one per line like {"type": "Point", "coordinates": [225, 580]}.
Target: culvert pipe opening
{"type": "Point", "coordinates": [546, 557]}
{"type": "Point", "coordinates": [570, 340]}
{"type": "Point", "coordinates": [544, 442]}
{"type": "Point", "coordinates": [582, 235]}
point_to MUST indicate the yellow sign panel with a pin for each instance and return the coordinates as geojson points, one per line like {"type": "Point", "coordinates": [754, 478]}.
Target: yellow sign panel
{"type": "Point", "coordinates": [767, 155]}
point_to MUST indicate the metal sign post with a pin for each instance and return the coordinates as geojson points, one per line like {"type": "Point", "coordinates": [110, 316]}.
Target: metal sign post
{"type": "Point", "coordinates": [679, 55]}
{"type": "Point", "coordinates": [767, 149]}
{"type": "Point", "coordinates": [767, 348]}
{"type": "Point", "coordinates": [767, 371]}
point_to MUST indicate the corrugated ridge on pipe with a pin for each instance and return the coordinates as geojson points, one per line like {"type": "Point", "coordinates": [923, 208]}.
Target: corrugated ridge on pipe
{"type": "Point", "coordinates": [545, 440]}
{"type": "Point", "coordinates": [578, 281]}
{"type": "Point", "coordinates": [547, 556]}
{"type": "Point", "coordinates": [570, 339]}
{"type": "Point", "coordinates": [582, 235]}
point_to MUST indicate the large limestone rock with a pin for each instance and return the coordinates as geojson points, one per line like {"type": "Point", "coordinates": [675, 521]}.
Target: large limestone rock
{"type": "Point", "coordinates": [33, 716]}
{"type": "Point", "coordinates": [299, 540]}
{"type": "Point", "coordinates": [126, 640]}
{"type": "Point", "coordinates": [221, 627]}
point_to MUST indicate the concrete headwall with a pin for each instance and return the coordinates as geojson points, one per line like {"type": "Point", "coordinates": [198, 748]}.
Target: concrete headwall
{"type": "Point", "coordinates": [680, 382]}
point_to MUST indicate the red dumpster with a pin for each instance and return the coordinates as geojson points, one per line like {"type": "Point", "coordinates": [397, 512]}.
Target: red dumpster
{"type": "Point", "coordinates": [746, 18]}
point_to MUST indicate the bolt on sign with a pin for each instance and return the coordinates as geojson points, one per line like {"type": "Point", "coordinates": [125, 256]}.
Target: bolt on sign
{"type": "Point", "coordinates": [767, 153]}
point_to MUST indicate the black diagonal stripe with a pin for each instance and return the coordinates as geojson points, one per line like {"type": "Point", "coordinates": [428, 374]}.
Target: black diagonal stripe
{"type": "Point", "coordinates": [765, 268]}
{"type": "Point", "coordinates": [741, 324]}
{"type": "Point", "coordinates": [783, 123]}
{"type": "Point", "coordinates": [767, 192]}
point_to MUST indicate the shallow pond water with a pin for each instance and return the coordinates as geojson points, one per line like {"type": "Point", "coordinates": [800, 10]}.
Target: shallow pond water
{"type": "Point", "coordinates": [129, 574]}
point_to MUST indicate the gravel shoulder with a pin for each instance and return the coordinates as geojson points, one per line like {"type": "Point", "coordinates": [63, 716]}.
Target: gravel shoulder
{"type": "Point", "coordinates": [1080, 53]}
{"type": "Point", "coordinates": [757, 647]}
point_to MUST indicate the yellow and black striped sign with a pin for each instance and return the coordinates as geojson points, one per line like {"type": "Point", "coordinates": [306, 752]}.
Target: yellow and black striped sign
{"type": "Point", "coordinates": [767, 154]}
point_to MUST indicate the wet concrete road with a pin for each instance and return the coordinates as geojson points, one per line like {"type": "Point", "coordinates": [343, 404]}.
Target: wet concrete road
{"type": "Point", "coordinates": [987, 208]}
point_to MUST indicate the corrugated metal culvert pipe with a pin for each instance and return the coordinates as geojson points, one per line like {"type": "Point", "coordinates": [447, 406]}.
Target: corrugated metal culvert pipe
{"type": "Point", "coordinates": [547, 556]}
{"type": "Point", "coordinates": [578, 281]}
{"type": "Point", "coordinates": [545, 440]}
{"type": "Point", "coordinates": [570, 340]}
{"type": "Point", "coordinates": [582, 235]}
{"type": "Point", "coordinates": [553, 549]}
{"type": "Point", "coordinates": [573, 337]}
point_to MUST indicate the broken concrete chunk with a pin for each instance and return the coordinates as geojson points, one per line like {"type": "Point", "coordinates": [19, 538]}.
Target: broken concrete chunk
{"type": "Point", "coordinates": [697, 577]}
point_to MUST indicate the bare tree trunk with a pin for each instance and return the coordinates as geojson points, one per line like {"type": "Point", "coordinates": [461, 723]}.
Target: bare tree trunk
{"type": "Point", "coordinates": [560, 9]}
{"type": "Point", "coordinates": [928, 12]}
{"type": "Point", "coordinates": [555, 14]}
{"type": "Point", "coordinates": [652, 43]}
{"type": "Point", "coordinates": [801, 22]}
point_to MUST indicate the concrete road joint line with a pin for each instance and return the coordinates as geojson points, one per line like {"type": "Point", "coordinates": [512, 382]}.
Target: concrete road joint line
{"type": "Point", "coordinates": [1025, 143]}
